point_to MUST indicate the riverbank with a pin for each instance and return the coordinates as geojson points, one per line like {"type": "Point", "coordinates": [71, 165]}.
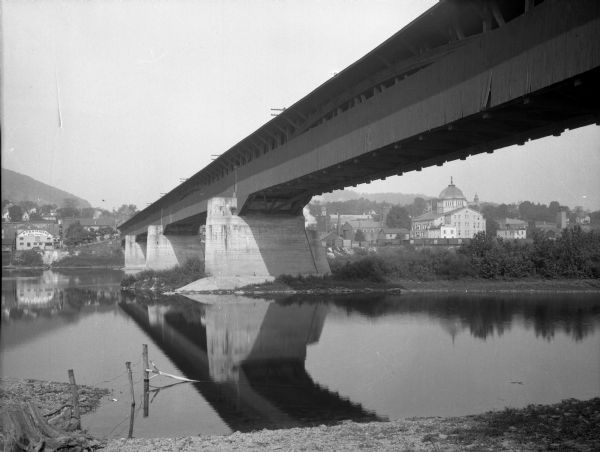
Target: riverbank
{"type": "Point", "coordinates": [569, 425]}
{"type": "Point", "coordinates": [322, 286]}
{"type": "Point", "coordinates": [53, 402]}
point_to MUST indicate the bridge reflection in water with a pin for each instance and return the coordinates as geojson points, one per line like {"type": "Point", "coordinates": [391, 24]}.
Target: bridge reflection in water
{"type": "Point", "coordinates": [249, 357]}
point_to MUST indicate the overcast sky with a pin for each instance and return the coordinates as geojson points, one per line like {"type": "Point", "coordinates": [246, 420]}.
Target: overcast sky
{"type": "Point", "coordinates": [118, 100]}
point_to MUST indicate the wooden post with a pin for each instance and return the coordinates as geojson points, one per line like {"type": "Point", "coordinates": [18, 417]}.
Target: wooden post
{"type": "Point", "coordinates": [145, 360]}
{"type": "Point", "coordinates": [132, 413]}
{"type": "Point", "coordinates": [131, 419]}
{"type": "Point", "coordinates": [128, 366]}
{"type": "Point", "coordinates": [75, 398]}
{"type": "Point", "coordinates": [146, 402]}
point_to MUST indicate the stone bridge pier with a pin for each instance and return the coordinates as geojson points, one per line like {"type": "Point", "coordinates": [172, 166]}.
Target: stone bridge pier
{"type": "Point", "coordinates": [256, 244]}
{"type": "Point", "coordinates": [159, 251]}
{"type": "Point", "coordinates": [259, 244]}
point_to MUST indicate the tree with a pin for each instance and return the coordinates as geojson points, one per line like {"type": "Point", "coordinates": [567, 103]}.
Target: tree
{"type": "Point", "coordinates": [47, 209]}
{"type": "Point", "coordinates": [27, 205]}
{"type": "Point", "coordinates": [15, 213]}
{"type": "Point", "coordinates": [77, 234]}
{"type": "Point", "coordinates": [126, 211]}
{"type": "Point", "coordinates": [87, 212]}
{"type": "Point", "coordinates": [418, 207]}
{"type": "Point", "coordinates": [69, 209]}
{"type": "Point", "coordinates": [554, 208]}
{"type": "Point", "coordinates": [359, 236]}
{"type": "Point", "coordinates": [29, 258]}
{"type": "Point", "coordinates": [398, 217]}
{"type": "Point", "coordinates": [491, 227]}
{"type": "Point", "coordinates": [35, 216]}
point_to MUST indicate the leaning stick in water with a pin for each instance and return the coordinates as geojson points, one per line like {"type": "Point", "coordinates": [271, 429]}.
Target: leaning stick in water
{"type": "Point", "coordinates": [155, 370]}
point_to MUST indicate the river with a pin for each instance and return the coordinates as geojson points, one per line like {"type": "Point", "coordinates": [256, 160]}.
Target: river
{"type": "Point", "coordinates": [295, 360]}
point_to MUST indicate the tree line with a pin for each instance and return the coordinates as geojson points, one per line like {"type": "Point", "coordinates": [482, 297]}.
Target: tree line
{"type": "Point", "coordinates": [575, 254]}
{"type": "Point", "coordinates": [69, 209]}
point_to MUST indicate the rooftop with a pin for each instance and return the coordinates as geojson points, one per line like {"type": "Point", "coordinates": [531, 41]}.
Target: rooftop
{"type": "Point", "coordinates": [452, 192]}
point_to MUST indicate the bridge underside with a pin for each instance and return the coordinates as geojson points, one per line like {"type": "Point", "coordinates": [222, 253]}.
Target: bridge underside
{"type": "Point", "coordinates": [568, 105]}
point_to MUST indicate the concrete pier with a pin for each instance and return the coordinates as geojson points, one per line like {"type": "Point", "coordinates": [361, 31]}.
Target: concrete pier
{"type": "Point", "coordinates": [167, 251]}
{"type": "Point", "coordinates": [259, 244]}
{"type": "Point", "coordinates": [158, 251]}
{"type": "Point", "coordinates": [135, 253]}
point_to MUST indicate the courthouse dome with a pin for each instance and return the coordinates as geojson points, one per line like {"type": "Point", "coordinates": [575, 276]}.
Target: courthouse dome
{"type": "Point", "coordinates": [451, 192]}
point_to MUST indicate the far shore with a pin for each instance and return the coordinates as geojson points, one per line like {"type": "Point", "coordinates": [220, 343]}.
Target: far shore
{"type": "Point", "coordinates": [52, 267]}
{"type": "Point", "coordinates": [405, 286]}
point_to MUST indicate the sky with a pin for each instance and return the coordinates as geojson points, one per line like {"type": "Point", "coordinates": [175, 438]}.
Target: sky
{"type": "Point", "coordinates": [116, 101]}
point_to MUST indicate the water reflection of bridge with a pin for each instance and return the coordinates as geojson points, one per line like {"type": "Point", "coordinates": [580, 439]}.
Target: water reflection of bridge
{"type": "Point", "coordinates": [249, 357]}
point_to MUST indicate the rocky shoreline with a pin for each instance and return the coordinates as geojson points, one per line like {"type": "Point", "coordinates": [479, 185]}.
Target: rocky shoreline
{"type": "Point", "coordinates": [568, 425]}
{"type": "Point", "coordinates": [37, 415]}
{"type": "Point", "coordinates": [404, 286]}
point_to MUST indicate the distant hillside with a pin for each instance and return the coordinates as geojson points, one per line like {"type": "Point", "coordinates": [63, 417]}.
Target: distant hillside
{"type": "Point", "coordinates": [18, 187]}
{"type": "Point", "coordinates": [392, 198]}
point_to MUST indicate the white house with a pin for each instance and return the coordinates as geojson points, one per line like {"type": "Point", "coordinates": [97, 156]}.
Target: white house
{"type": "Point", "coordinates": [451, 217]}
{"type": "Point", "coordinates": [34, 238]}
{"type": "Point", "coordinates": [512, 229]}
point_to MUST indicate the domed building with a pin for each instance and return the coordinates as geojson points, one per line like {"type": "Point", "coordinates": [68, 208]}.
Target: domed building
{"type": "Point", "coordinates": [448, 217]}
{"type": "Point", "coordinates": [451, 198]}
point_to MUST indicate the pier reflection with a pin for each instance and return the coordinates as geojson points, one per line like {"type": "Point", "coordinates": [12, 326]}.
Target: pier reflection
{"type": "Point", "coordinates": [248, 356]}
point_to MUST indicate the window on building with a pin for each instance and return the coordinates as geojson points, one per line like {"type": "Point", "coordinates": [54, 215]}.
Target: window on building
{"type": "Point", "coordinates": [28, 244]}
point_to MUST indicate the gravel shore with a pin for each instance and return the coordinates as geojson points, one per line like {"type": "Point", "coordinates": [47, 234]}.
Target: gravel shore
{"type": "Point", "coordinates": [569, 425]}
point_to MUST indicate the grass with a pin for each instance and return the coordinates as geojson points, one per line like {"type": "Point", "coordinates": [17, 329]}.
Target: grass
{"type": "Point", "coordinates": [172, 278]}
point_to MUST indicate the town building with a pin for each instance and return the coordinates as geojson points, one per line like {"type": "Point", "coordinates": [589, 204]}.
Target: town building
{"type": "Point", "coordinates": [332, 240]}
{"type": "Point", "coordinates": [369, 228]}
{"type": "Point", "coordinates": [10, 230]}
{"type": "Point", "coordinates": [392, 236]}
{"type": "Point", "coordinates": [448, 216]}
{"type": "Point", "coordinates": [512, 229]}
{"type": "Point", "coordinates": [29, 239]}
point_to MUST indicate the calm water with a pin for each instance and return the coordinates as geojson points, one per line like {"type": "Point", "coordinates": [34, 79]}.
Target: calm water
{"type": "Point", "coordinates": [297, 360]}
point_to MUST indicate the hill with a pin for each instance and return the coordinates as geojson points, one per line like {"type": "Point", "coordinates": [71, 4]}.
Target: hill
{"type": "Point", "coordinates": [392, 198]}
{"type": "Point", "coordinates": [18, 187]}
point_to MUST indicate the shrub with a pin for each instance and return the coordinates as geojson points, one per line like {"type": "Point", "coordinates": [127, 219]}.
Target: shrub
{"type": "Point", "coordinates": [575, 254]}
{"type": "Point", "coordinates": [28, 258]}
{"type": "Point", "coordinates": [177, 276]}
{"type": "Point", "coordinates": [371, 268]}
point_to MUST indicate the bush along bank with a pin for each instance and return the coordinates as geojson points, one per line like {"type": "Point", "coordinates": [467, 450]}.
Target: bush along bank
{"type": "Point", "coordinates": [576, 255]}
{"type": "Point", "coordinates": [91, 259]}
{"type": "Point", "coordinates": [165, 280]}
